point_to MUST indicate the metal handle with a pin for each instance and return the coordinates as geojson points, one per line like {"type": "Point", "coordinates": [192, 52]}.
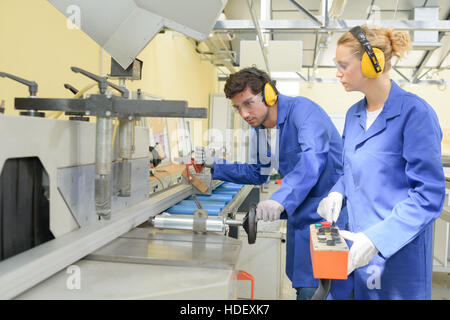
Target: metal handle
{"type": "Point", "coordinates": [32, 85]}
{"type": "Point", "coordinates": [102, 83]}
{"type": "Point", "coordinates": [71, 88]}
{"type": "Point", "coordinates": [124, 91]}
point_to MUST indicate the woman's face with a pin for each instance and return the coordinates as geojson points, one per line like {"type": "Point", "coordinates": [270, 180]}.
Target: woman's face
{"type": "Point", "coordinates": [349, 68]}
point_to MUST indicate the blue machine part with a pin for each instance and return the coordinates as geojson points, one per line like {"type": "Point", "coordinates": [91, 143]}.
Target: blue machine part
{"type": "Point", "coordinates": [213, 197]}
{"type": "Point", "coordinates": [229, 186]}
{"type": "Point", "coordinates": [214, 203]}
{"type": "Point", "coordinates": [189, 209]}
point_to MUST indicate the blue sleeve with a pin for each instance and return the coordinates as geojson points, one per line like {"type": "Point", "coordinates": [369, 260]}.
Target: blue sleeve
{"type": "Point", "coordinates": [313, 138]}
{"type": "Point", "coordinates": [242, 173]}
{"type": "Point", "coordinates": [422, 137]}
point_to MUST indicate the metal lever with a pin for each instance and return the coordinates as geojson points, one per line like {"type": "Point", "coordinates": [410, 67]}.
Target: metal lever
{"type": "Point", "coordinates": [124, 91]}
{"type": "Point", "coordinates": [102, 83]}
{"type": "Point", "coordinates": [32, 85]}
{"type": "Point", "coordinates": [71, 88]}
{"type": "Point", "coordinates": [199, 205]}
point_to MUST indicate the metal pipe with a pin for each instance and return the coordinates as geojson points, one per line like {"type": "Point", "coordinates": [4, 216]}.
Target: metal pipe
{"type": "Point", "coordinates": [236, 223]}
{"type": "Point", "coordinates": [125, 139]}
{"type": "Point", "coordinates": [334, 25]}
{"type": "Point", "coordinates": [103, 165]}
{"type": "Point", "coordinates": [125, 153]}
{"type": "Point", "coordinates": [259, 34]}
{"type": "Point", "coordinates": [305, 11]}
{"type": "Point", "coordinates": [213, 224]}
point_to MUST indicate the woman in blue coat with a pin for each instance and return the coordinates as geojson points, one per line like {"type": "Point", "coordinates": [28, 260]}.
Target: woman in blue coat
{"type": "Point", "coordinates": [308, 155]}
{"type": "Point", "coordinates": [393, 181]}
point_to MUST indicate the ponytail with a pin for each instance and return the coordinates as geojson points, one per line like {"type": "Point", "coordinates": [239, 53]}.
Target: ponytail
{"type": "Point", "coordinates": [392, 43]}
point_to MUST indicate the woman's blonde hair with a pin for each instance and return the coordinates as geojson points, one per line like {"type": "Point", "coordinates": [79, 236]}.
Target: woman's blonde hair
{"type": "Point", "coordinates": [392, 43]}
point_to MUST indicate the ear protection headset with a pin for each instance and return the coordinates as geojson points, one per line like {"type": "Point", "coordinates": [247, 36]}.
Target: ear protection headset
{"type": "Point", "coordinates": [270, 92]}
{"type": "Point", "coordinates": [372, 62]}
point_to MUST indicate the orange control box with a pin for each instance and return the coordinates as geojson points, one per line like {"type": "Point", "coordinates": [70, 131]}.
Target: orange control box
{"type": "Point", "coordinates": [329, 252]}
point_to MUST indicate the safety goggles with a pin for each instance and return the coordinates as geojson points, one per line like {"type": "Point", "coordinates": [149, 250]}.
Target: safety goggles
{"type": "Point", "coordinates": [342, 64]}
{"type": "Point", "coordinates": [249, 103]}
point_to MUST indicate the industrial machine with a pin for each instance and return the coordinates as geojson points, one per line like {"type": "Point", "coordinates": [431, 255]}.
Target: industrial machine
{"type": "Point", "coordinates": [76, 193]}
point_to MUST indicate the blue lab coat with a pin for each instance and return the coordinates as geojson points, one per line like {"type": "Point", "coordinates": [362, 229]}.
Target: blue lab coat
{"type": "Point", "coordinates": [310, 153]}
{"type": "Point", "coordinates": [394, 186]}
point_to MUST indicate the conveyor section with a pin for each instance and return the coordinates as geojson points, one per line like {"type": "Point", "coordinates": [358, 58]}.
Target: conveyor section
{"type": "Point", "coordinates": [214, 203]}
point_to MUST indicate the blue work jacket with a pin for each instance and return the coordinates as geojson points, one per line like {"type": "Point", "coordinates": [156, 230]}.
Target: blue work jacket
{"type": "Point", "coordinates": [394, 186]}
{"type": "Point", "coordinates": [309, 154]}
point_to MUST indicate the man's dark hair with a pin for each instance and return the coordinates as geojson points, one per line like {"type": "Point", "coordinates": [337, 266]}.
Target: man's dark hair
{"type": "Point", "coordinates": [239, 81]}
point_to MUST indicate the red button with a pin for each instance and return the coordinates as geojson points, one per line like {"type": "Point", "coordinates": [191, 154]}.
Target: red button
{"type": "Point", "coordinates": [326, 224]}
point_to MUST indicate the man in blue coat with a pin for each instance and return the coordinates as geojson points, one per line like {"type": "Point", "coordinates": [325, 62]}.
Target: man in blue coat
{"type": "Point", "coordinates": [307, 155]}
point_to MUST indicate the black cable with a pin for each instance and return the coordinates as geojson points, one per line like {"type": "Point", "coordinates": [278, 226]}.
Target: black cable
{"type": "Point", "coordinates": [323, 290]}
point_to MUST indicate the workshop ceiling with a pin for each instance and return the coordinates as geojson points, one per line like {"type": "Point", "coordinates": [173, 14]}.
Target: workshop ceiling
{"type": "Point", "coordinates": [320, 28]}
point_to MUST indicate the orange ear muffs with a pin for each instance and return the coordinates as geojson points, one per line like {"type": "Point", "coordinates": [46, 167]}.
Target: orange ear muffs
{"type": "Point", "coordinates": [367, 67]}
{"type": "Point", "coordinates": [373, 60]}
{"type": "Point", "coordinates": [270, 95]}
{"type": "Point", "coordinates": [270, 92]}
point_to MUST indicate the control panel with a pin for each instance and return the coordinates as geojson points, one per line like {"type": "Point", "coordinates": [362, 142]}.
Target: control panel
{"type": "Point", "coordinates": [329, 251]}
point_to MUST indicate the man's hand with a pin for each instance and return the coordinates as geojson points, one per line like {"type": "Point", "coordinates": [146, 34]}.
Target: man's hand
{"type": "Point", "coordinates": [269, 210]}
{"type": "Point", "coordinates": [204, 156]}
{"type": "Point", "coordinates": [361, 252]}
{"type": "Point", "coordinates": [330, 206]}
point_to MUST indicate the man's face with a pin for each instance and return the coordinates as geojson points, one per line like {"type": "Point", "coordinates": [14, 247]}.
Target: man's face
{"type": "Point", "coordinates": [250, 107]}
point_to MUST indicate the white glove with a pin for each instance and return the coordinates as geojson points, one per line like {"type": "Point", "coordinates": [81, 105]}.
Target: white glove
{"type": "Point", "coordinates": [330, 206]}
{"type": "Point", "coordinates": [269, 210]}
{"type": "Point", "coordinates": [204, 156]}
{"type": "Point", "coordinates": [361, 252]}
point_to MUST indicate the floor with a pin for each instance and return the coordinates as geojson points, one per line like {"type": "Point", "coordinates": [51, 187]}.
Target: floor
{"type": "Point", "coordinates": [441, 280]}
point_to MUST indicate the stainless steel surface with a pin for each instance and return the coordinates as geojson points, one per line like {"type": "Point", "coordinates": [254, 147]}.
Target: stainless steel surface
{"type": "Point", "coordinates": [125, 139]}
{"type": "Point", "coordinates": [76, 186]}
{"type": "Point", "coordinates": [101, 280]}
{"type": "Point", "coordinates": [124, 178]}
{"type": "Point", "coordinates": [200, 221]}
{"type": "Point", "coordinates": [23, 271]}
{"type": "Point", "coordinates": [103, 145]}
{"type": "Point", "coordinates": [233, 222]}
{"type": "Point", "coordinates": [103, 164]}
{"type": "Point", "coordinates": [125, 152]}
{"type": "Point", "coordinates": [186, 222]}
{"type": "Point", "coordinates": [103, 196]}
{"type": "Point", "coordinates": [151, 246]}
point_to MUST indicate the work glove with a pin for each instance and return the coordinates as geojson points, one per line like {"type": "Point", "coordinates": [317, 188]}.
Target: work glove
{"type": "Point", "coordinates": [269, 210]}
{"type": "Point", "coordinates": [330, 206]}
{"type": "Point", "coordinates": [361, 252]}
{"type": "Point", "coordinates": [204, 156]}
